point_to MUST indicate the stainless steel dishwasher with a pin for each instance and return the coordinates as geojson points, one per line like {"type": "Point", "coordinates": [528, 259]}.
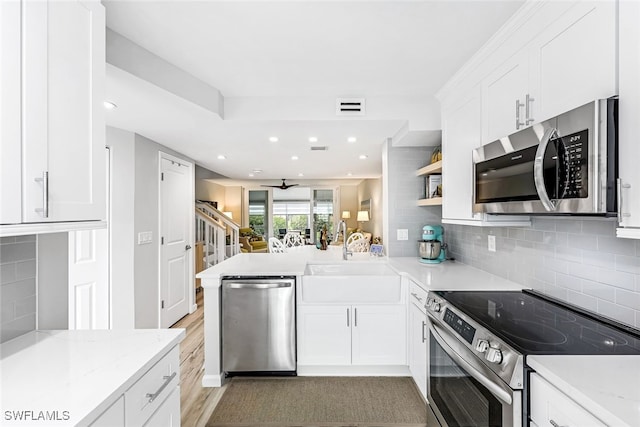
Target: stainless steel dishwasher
{"type": "Point", "coordinates": [258, 325]}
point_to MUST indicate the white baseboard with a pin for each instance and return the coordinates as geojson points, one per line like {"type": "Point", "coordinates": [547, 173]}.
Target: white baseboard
{"type": "Point", "coordinates": [354, 371]}
{"type": "Point", "coordinates": [209, 380]}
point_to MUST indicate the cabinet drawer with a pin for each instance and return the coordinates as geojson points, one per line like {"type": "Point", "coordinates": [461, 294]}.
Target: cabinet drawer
{"type": "Point", "coordinates": [550, 404]}
{"type": "Point", "coordinates": [148, 393]}
{"type": "Point", "coordinates": [417, 295]}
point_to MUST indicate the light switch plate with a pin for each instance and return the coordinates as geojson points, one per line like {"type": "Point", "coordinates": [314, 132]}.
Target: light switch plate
{"type": "Point", "coordinates": [145, 238]}
{"type": "Point", "coordinates": [491, 243]}
{"type": "Point", "coordinates": [403, 234]}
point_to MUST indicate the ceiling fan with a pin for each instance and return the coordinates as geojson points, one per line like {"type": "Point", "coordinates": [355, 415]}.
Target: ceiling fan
{"type": "Point", "coordinates": [282, 186]}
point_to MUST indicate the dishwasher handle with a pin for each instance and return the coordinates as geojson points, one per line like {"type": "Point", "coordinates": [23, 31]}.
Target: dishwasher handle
{"type": "Point", "coordinates": [257, 285]}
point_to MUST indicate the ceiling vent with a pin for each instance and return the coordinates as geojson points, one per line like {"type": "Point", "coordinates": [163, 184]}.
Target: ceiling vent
{"type": "Point", "coordinates": [350, 107]}
{"type": "Point", "coordinates": [319, 148]}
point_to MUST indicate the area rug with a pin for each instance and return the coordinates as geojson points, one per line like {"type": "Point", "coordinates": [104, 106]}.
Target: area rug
{"type": "Point", "coordinates": [320, 402]}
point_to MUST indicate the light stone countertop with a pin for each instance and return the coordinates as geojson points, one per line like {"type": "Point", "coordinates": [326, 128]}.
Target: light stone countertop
{"type": "Point", "coordinates": [82, 372]}
{"type": "Point", "coordinates": [448, 275]}
{"type": "Point", "coordinates": [606, 386]}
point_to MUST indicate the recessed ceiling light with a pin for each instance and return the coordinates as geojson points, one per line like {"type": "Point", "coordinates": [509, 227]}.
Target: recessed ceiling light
{"type": "Point", "coordinates": [300, 174]}
{"type": "Point", "coordinates": [349, 174]}
{"type": "Point", "coordinates": [313, 139]}
{"type": "Point", "coordinates": [294, 157]}
{"type": "Point", "coordinates": [363, 156]}
{"type": "Point", "coordinates": [221, 157]}
{"type": "Point", "coordinates": [109, 105]}
{"type": "Point", "coordinates": [250, 175]}
{"type": "Point", "coordinates": [273, 139]}
{"type": "Point", "coordinates": [257, 171]}
{"type": "Point", "coordinates": [351, 139]}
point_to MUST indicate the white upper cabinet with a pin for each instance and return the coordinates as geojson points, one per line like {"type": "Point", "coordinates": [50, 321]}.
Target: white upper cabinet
{"type": "Point", "coordinates": [574, 59]}
{"type": "Point", "coordinates": [503, 94]}
{"type": "Point", "coordinates": [461, 133]}
{"type": "Point", "coordinates": [629, 113]}
{"type": "Point", "coordinates": [62, 135]}
{"type": "Point", "coordinates": [571, 61]}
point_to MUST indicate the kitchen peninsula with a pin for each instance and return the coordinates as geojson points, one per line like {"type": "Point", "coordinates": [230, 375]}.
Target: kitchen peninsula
{"type": "Point", "coordinates": [402, 275]}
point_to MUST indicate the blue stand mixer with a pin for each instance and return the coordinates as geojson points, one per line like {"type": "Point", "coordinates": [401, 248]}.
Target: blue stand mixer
{"type": "Point", "coordinates": [432, 246]}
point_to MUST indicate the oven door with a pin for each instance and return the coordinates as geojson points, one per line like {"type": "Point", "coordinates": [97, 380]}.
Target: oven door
{"type": "Point", "coordinates": [462, 391]}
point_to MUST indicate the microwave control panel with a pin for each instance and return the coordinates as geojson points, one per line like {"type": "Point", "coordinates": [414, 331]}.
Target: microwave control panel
{"type": "Point", "coordinates": [575, 173]}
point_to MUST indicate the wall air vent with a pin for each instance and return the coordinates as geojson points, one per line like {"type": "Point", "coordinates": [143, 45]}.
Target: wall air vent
{"type": "Point", "coordinates": [350, 107]}
{"type": "Point", "coordinates": [319, 148]}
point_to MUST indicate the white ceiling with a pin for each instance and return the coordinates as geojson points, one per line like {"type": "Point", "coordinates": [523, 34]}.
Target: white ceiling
{"type": "Point", "coordinates": [272, 60]}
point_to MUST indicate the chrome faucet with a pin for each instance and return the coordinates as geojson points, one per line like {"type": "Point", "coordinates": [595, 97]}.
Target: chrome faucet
{"type": "Point", "coordinates": [345, 251]}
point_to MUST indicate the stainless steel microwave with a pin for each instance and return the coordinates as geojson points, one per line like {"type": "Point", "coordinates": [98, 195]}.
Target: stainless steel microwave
{"type": "Point", "coordinates": [567, 165]}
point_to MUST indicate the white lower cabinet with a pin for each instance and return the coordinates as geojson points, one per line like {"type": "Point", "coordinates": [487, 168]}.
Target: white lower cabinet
{"type": "Point", "coordinates": [168, 414]}
{"type": "Point", "coordinates": [551, 407]}
{"type": "Point", "coordinates": [352, 334]}
{"type": "Point", "coordinates": [153, 400]}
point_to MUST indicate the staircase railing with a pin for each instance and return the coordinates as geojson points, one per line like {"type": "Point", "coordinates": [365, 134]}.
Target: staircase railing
{"type": "Point", "coordinates": [212, 228]}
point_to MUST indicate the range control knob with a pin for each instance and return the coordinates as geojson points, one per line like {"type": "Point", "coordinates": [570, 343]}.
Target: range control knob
{"type": "Point", "coordinates": [482, 346]}
{"type": "Point", "coordinates": [436, 307]}
{"type": "Point", "coordinates": [429, 302]}
{"type": "Point", "coordinates": [494, 355]}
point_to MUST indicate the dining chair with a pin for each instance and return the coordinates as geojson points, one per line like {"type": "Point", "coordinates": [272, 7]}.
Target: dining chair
{"type": "Point", "coordinates": [276, 246]}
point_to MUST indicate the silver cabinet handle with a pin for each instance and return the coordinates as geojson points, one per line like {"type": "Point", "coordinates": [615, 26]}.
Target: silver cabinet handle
{"type": "Point", "coordinates": [555, 424]}
{"type": "Point", "coordinates": [416, 296]}
{"type": "Point", "coordinates": [250, 285]}
{"type": "Point", "coordinates": [424, 324]}
{"type": "Point", "coordinates": [355, 317]}
{"type": "Point", "coordinates": [167, 379]}
{"type": "Point", "coordinates": [538, 170]}
{"type": "Point", "coordinates": [347, 317]}
{"type": "Point", "coordinates": [518, 106]}
{"type": "Point", "coordinates": [621, 186]}
{"type": "Point", "coordinates": [44, 211]}
{"type": "Point", "coordinates": [527, 110]}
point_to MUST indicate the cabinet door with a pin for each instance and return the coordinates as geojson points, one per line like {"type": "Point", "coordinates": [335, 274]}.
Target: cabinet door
{"type": "Point", "coordinates": [168, 414]}
{"type": "Point", "coordinates": [112, 417]}
{"type": "Point", "coordinates": [629, 112]}
{"type": "Point", "coordinates": [63, 130]}
{"type": "Point", "coordinates": [379, 335]}
{"type": "Point", "coordinates": [461, 133]}
{"type": "Point", "coordinates": [324, 335]}
{"type": "Point", "coordinates": [501, 90]}
{"type": "Point", "coordinates": [10, 112]}
{"type": "Point", "coordinates": [574, 59]}
{"type": "Point", "coordinates": [418, 348]}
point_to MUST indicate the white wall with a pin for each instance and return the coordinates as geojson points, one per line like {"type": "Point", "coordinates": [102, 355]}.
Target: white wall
{"type": "Point", "coordinates": [122, 147]}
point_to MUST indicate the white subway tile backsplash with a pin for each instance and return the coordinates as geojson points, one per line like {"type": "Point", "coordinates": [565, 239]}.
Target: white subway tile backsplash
{"type": "Point", "coordinates": [596, 289]}
{"type": "Point", "coordinates": [618, 279]}
{"type": "Point", "coordinates": [628, 299]}
{"type": "Point", "coordinates": [579, 261]}
{"type": "Point", "coordinates": [616, 246]}
{"type": "Point", "coordinates": [18, 273]}
{"type": "Point", "coordinates": [616, 311]}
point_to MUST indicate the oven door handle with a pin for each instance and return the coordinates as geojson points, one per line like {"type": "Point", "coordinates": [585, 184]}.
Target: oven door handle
{"type": "Point", "coordinates": [538, 170]}
{"type": "Point", "coordinates": [495, 389]}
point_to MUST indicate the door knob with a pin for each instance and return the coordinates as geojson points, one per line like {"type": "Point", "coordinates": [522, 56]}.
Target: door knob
{"type": "Point", "coordinates": [186, 248]}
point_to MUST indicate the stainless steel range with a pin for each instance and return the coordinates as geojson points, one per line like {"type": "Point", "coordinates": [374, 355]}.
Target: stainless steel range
{"type": "Point", "coordinates": [479, 342]}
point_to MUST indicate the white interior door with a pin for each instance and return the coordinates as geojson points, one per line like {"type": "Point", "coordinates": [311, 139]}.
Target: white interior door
{"type": "Point", "coordinates": [176, 215]}
{"type": "Point", "coordinates": [89, 279]}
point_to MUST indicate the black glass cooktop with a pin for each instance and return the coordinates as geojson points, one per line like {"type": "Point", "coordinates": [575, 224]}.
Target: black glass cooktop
{"type": "Point", "coordinates": [532, 324]}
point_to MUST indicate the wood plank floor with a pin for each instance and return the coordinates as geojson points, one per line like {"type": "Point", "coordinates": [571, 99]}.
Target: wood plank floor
{"type": "Point", "coordinates": [196, 402]}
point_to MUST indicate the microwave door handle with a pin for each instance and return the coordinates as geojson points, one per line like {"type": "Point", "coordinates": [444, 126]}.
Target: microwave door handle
{"type": "Point", "coordinates": [493, 388]}
{"type": "Point", "coordinates": [538, 170]}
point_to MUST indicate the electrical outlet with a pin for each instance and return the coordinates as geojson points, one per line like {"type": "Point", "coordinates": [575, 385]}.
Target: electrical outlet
{"type": "Point", "coordinates": [491, 243]}
{"type": "Point", "coordinates": [403, 234]}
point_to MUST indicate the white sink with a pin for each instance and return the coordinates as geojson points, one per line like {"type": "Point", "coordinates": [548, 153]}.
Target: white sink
{"type": "Point", "coordinates": [356, 282]}
{"type": "Point", "coordinates": [350, 269]}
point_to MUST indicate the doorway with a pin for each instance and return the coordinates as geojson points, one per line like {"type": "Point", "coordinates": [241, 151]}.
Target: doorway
{"type": "Point", "coordinates": [176, 238]}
